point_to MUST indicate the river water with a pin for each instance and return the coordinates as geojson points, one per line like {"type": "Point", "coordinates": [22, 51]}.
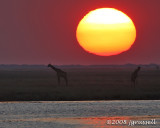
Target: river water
{"type": "Point", "coordinates": [80, 114]}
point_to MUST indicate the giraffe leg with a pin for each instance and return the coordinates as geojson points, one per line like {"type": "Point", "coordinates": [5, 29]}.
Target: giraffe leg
{"type": "Point", "coordinates": [132, 83]}
{"type": "Point", "coordinates": [66, 81]}
{"type": "Point", "coordinates": [58, 80]}
{"type": "Point", "coordinates": [135, 84]}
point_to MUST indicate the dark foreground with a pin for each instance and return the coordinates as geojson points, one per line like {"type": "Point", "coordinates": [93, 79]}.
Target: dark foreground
{"type": "Point", "coordinates": [80, 114]}
{"type": "Point", "coordinates": [85, 83]}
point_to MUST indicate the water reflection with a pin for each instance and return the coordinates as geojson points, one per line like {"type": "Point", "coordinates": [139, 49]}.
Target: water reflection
{"type": "Point", "coordinates": [76, 114]}
{"type": "Point", "coordinates": [109, 122]}
{"type": "Point", "coordinates": [89, 122]}
{"type": "Point", "coordinates": [103, 122]}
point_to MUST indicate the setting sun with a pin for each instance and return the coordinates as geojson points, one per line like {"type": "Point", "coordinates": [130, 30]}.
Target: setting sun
{"type": "Point", "coordinates": [106, 32]}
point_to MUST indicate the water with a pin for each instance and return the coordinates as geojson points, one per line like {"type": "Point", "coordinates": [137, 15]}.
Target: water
{"type": "Point", "coordinates": [79, 114]}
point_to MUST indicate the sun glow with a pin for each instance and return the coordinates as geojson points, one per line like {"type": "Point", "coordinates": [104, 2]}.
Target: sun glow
{"type": "Point", "coordinates": [106, 32]}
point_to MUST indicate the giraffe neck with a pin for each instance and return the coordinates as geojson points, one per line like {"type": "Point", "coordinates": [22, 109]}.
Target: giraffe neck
{"type": "Point", "coordinates": [53, 68]}
{"type": "Point", "coordinates": [137, 71]}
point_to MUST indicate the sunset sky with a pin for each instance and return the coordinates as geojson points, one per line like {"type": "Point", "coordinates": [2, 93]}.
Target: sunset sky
{"type": "Point", "coordinates": [44, 31]}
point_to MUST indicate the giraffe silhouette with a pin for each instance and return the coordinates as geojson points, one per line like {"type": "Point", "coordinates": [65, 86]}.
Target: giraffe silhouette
{"type": "Point", "coordinates": [157, 67]}
{"type": "Point", "coordinates": [134, 76]}
{"type": "Point", "coordinates": [60, 74]}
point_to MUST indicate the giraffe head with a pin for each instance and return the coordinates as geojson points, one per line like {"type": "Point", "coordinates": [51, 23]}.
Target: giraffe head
{"type": "Point", "coordinates": [49, 65]}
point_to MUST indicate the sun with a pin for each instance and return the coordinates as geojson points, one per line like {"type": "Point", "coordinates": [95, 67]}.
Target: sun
{"type": "Point", "coordinates": [106, 32]}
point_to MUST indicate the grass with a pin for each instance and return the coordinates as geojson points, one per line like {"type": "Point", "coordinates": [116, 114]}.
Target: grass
{"type": "Point", "coordinates": [85, 83]}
